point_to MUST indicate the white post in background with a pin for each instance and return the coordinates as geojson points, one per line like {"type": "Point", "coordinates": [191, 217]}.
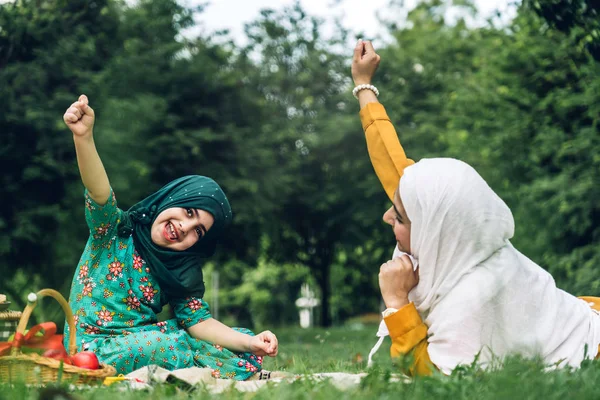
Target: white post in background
{"type": "Point", "coordinates": [306, 303]}
{"type": "Point", "coordinates": [214, 301]}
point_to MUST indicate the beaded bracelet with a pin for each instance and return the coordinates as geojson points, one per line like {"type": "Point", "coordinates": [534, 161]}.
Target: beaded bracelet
{"type": "Point", "coordinates": [363, 87]}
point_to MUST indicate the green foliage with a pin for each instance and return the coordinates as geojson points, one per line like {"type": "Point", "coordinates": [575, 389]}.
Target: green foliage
{"type": "Point", "coordinates": [324, 164]}
{"type": "Point", "coordinates": [47, 51]}
{"type": "Point", "coordinates": [268, 293]}
{"type": "Point", "coordinates": [579, 18]}
{"type": "Point", "coordinates": [273, 122]}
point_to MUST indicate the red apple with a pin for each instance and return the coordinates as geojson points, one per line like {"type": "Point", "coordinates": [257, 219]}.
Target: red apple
{"type": "Point", "coordinates": [86, 359]}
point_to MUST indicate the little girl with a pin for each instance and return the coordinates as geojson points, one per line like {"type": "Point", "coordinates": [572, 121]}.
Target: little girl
{"type": "Point", "coordinates": [137, 261]}
{"type": "Point", "coordinates": [473, 296]}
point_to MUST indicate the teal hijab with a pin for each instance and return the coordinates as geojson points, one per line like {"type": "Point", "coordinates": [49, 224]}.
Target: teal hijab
{"type": "Point", "coordinates": [179, 273]}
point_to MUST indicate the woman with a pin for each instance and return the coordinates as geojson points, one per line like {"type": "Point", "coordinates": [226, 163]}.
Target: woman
{"type": "Point", "coordinates": [473, 296]}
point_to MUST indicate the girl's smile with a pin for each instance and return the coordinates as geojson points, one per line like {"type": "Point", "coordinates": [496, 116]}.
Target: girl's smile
{"type": "Point", "coordinates": [178, 228]}
{"type": "Point", "coordinates": [170, 233]}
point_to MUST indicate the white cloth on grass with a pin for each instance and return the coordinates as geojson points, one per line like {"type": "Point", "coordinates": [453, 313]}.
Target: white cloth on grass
{"type": "Point", "coordinates": [189, 378]}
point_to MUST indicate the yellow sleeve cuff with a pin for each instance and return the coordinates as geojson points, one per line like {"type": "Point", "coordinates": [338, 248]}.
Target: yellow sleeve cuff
{"type": "Point", "coordinates": [371, 113]}
{"type": "Point", "coordinates": [406, 327]}
{"type": "Point", "coordinates": [389, 311]}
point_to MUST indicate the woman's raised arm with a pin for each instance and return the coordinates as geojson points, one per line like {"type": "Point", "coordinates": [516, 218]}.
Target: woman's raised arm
{"type": "Point", "coordinates": [386, 153]}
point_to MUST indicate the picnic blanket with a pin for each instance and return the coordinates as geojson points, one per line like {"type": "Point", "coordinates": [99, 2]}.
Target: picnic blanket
{"type": "Point", "coordinates": [188, 378]}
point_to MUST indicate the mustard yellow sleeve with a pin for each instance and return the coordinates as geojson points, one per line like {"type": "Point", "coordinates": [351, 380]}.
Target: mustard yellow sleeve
{"type": "Point", "coordinates": [386, 153]}
{"type": "Point", "coordinates": [594, 303]}
{"type": "Point", "coordinates": [409, 336]}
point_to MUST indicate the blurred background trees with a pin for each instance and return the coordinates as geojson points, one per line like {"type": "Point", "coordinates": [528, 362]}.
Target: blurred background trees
{"type": "Point", "coordinates": [273, 121]}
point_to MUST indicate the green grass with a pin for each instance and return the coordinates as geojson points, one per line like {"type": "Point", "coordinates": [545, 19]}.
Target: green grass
{"type": "Point", "coordinates": [338, 349]}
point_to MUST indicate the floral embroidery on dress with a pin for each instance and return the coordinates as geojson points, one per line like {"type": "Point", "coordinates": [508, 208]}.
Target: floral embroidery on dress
{"type": "Point", "coordinates": [88, 204]}
{"type": "Point", "coordinates": [194, 305]}
{"type": "Point", "coordinates": [148, 291]}
{"type": "Point", "coordinates": [138, 262]}
{"type": "Point", "coordinates": [163, 327]}
{"type": "Point", "coordinates": [104, 316]}
{"type": "Point", "coordinates": [87, 288]}
{"type": "Point", "coordinates": [92, 330]}
{"type": "Point", "coordinates": [83, 271]}
{"type": "Point", "coordinates": [116, 270]}
{"type": "Point", "coordinates": [133, 303]}
{"type": "Point", "coordinates": [101, 231]}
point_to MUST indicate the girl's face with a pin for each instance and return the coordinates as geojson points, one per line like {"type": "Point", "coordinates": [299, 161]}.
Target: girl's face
{"type": "Point", "coordinates": [397, 218]}
{"type": "Point", "coordinates": [179, 228]}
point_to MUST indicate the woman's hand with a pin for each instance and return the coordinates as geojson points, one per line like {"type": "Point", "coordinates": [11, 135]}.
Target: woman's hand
{"type": "Point", "coordinates": [79, 117]}
{"type": "Point", "coordinates": [264, 344]}
{"type": "Point", "coordinates": [364, 63]}
{"type": "Point", "coordinates": [397, 278]}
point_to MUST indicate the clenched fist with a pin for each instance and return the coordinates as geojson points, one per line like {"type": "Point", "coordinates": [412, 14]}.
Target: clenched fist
{"type": "Point", "coordinates": [364, 63]}
{"type": "Point", "coordinates": [79, 117]}
{"type": "Point", "coordinates": [397, 278]}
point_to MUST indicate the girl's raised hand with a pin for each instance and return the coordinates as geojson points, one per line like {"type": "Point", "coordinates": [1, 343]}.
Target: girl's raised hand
{"type": "Point", "coordinates": [264, 344]}
{"type": "Point", "coordinates": [79, 117]}
{"type": "Point", "coordinates": [364, 62]}
{"type": "Point", "coordinates": [397, 278]}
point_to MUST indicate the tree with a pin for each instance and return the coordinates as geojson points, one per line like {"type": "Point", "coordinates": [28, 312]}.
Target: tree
{"type": "Point", "coordinates": [580, 19]}
{"type": "Point", "coordinates": [328, 206]}
{"type": "Point", "coordinates": [49, 51]}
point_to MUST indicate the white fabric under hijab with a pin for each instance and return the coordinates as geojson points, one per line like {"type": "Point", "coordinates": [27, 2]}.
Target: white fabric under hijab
{"type": "Point", "coordinates": [476, 292]}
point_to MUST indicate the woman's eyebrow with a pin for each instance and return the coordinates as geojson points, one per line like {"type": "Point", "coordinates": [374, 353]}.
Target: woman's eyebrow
{"type": "Point", "coordinates": [197, 214]}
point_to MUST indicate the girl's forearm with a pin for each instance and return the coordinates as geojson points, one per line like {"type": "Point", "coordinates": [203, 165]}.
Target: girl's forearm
{"type": "Point", "coordinates": [91, 169]}
{"type": "Point", "coordinates": [216, 332]}
{"type": "Point", "coordinates": [365, 97]}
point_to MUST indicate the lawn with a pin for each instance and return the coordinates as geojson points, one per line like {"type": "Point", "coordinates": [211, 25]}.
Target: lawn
{"type": "Point", "coordinates": [345, 349]}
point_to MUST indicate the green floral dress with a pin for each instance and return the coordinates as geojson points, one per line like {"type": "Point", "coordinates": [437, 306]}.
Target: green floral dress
{"type": "Point", "coordinates": [115, 301]}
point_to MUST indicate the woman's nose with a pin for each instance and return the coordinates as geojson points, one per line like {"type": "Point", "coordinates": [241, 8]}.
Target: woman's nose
{"type": "Point", "coordinates": [388, 218]}
{"type": "Point", "coordinates": [183, 227]}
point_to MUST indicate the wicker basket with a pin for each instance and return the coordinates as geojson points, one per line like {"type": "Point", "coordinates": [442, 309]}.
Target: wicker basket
{"type": "Point", "coordinates": [35, 369]}
{"type": "Point", "coordinates": [8, 323]}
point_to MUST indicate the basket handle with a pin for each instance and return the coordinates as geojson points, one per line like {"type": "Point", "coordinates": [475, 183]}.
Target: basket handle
{"type": "Point", "coordinates": [29, 309]}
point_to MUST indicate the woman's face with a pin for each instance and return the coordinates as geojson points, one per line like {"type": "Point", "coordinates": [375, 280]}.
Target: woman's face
{"type": "Point", "coordinates": [397, 218]}
{"type": "Point", "coordinates": [179, 228]}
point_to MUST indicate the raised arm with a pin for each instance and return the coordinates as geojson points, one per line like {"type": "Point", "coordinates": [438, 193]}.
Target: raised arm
{"type": "Point", "coordinates": [386, 153]}
{"type": "Point", "coordinates": [79, 117]}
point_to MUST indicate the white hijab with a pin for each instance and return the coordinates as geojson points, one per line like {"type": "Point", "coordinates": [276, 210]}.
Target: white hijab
{"type": "Point", "coordinates": [476, 292]}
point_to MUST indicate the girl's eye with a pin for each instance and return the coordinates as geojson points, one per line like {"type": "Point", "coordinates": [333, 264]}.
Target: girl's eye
{"type": "Point", "coordinates": [199, 232]}
{"type": "Point", "coordinates": [189, 212]}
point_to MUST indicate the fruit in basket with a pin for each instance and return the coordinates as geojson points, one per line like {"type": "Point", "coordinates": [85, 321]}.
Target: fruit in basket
{"type": "Point", "coordinates": [57, 354]}
{"type": "Point", "coordinates": [86, 359]}
{"type": "Point", "coordinates": [12, 336]}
